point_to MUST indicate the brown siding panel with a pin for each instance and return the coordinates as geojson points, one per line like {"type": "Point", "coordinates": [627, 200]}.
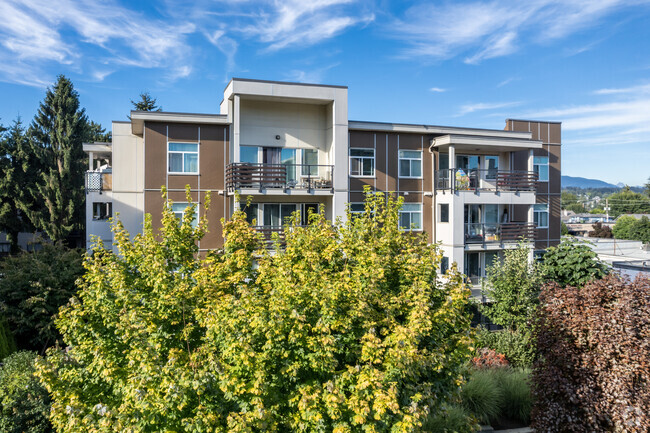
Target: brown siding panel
{"type": "Point", "coordinates": [555, 174]}
{"type": "Point", "coordinates": [392, 162]}
{"type": "Point", "coordinates": [183, 132]}
{"type": "Point", "coordinates": [155, 159]}
{"type": "Point", "coordinates": [406, 184]}
{"type": "Point", "coordinates": [362, 139]}
{"type": "Point", "coordinates": [357, 183]}
{"type": "Point", "coordinates": [179, 181]}
{"type": "Point", "coordinates": [380, 162]}
{"type": "Point", "coordinates": [213, 157]}
{"type": "Point", "coordinates": [410, 142]}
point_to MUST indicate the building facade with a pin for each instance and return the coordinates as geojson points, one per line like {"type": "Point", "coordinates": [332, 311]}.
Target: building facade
{"type": "Point", "coordinates": [291, 147]}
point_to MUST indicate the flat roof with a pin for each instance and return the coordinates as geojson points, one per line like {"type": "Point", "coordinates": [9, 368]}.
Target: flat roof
{"type": "Point", "coordinates": [534, 121]}
{"type": "Point", "coordinates": [139, 117]}
{"type": "Point", "coordinates": [291, 83]}
{"type": "Point", "coordinates": [434, 129]}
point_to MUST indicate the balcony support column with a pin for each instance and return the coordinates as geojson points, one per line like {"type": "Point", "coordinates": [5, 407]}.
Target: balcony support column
{"type": "Point", "coordinates": [91, 159]}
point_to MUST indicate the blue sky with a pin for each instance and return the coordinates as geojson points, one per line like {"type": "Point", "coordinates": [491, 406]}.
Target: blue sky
{"type": "Point", "coordinates": [585, 63]}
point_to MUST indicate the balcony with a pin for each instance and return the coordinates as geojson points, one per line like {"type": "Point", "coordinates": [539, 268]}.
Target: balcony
{"type": "Point", "coordinates": [306, 177]}
{"type": "Point", "coordinates": [456, 179]}
{"type": "Point", "coordinates": [491, 233]}
{"type": "Point", "coordinates": [98, 181]}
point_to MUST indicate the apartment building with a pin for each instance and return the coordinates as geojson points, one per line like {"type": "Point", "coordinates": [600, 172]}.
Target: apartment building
{"type": "Point", "coordinates": [291, 147]}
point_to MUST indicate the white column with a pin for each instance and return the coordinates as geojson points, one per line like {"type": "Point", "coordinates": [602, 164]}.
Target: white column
{"type": "Point", "coordinates": [530, 159]}
{"type": "Point", "coordinates": [236, 123]}
{"type": "Point", "coordinates": [90, 161]}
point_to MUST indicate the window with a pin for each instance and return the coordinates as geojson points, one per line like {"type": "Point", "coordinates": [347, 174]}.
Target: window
{"type": "Point", "coordinates": [250, 211]}
{"type": "Point", "coordinates": [540, 215]}
{"type": "Point", "coordinates": [357, 208]}
{"type": "Point", "coordinates": [310, 162]}
{"type": "Point", "coordinates": [249, 154]}
{"type": "Point", "coordinates": [492, 167]}
{"type": "Point", "coordinates": [102, 211]}
{"type": "Point", "coordinates": [444, 264]}
{"type": "Point", "coordinates": [362, 162]}
{"type": "Point", "coordinates": [179, 211]}
{"type": "Point", "coordinates": [540, 166]}
{"type": "Point", "coordinates": [444, 212]}
{"type": "Point", "coordinates": [410, 163]}
{"type": "Point", "coordinates": [183, 157]}
{"type": "Point", "coordinates": [410, 217]}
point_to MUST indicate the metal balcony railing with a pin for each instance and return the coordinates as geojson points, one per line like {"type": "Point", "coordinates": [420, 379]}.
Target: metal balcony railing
{"type": "Point", "coordinates": [456, 179]}
{"type": "Point", "coordinates": [99, 181]}
{"type": "Point", "coordinates": [240, 175]}
{"type": "Point", "coordinates": [484, 233]}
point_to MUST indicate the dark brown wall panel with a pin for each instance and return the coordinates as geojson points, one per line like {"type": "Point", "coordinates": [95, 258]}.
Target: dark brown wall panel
{"type": "Point", "coordinates": [155, 158]}
{"type": "Point", "coordinates": [543, 132]}
{"type": "Point", "coordinates": [556, 133]}
{"type": "Point", "coordinates": [356, 197]}
{"type": "Point", "coordinates": [534, 129]}
{"type": "Point", "coordinates": [554, 217]}
{"type": "Point", "coordinates": [362, 139]}
{"type": "Point", "coordinates": [427, 212]}
{"type": "Point", "coordinates": [178, 181]}
{"type": "Point", "coordinates": [555, 168]}
{"type": "Point", "coordinates": [357, 183]}
{"type": "Point", "coordinates": [410, 142]}
{"type": "Point", "coordinates": [214, 238]}
{"type": "Point", "coordinates": [410, 184]}
{"type": "Point", "coordinates": [183, 132]}
{"type": "Point", "coordinates": [153, 204]}
{"type": "Point", "coordinates": [427, 172]}
{"type": "Point", "coordinates": [393, 162]}
{"type": "Point", "coordinates": [519, 213]}
{"type": "Point", "coordinates": [213, 157]}
{"type": "Point", "coordinates": [521, 160]}
{"type": "Point", "coordinates": [380, 162]}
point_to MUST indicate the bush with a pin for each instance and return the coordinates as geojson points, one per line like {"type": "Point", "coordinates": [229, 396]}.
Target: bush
{"type": "Point", "coordinates": [451, 419]}
{"type": "Point", "coordinates": [33, 287]}
{"type": "Point", "coordinates": [488, 358]}
{"type": "Point", "coordinates": [482, 396]}
{"type": "Point", "coordinates": [601, 231]}
{"type": "Point", "coordinates": [343, 327]}
{"type": "Point", "coordinates": [622, 227]}
{"type": "Point", "coordinates": [516, 392]}
{"type": "Point", "coordinates": [7, 343]}
{"type": "Point", "coordinates": [572, 263]}
{"type": "Point", "coordinates": [517, 346]}
{"type": "Point", "coordinates": [594, 352]}
{"type": "Point", "coordinates": [24, 403]}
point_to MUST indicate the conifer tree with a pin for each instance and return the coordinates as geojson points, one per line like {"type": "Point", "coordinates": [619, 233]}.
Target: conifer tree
{"type": "Point", "coordinates": [19, 171]}
{"type": "Point", "coordinates": [58, 131]}
{"type": "Point", "coordinates": [146, 103]}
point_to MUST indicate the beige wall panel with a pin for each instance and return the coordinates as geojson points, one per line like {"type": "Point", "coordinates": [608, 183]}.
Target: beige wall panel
{"type": "Point", "coordinates": [213, 157]}
{"type": "Point", "coordinates": [155, 158]}
{"type": "Point", "coordinates": [362, 139]}
{"type": "Point", "coordinates": [392, 158]}
{"type": "Point", "coordinates": [178, 181]}
{"type": "Point", "coordinates": [183, 132]}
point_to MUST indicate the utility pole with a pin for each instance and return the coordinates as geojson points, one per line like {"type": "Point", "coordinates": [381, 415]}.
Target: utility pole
{"type": "Point", "coordinates": [607, 209]}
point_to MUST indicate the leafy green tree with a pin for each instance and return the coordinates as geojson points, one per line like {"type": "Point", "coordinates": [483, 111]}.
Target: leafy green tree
{"type": "Point", "coordinates": [145, 103]}
{"type": "Point", "coordinates": [572, 263]}
{"type": "Point", "coordinates": [622, 227]}
{"type": "Point", "coordinates": [344, 327]}
{"type": "Point", "coordinates": [33, 286]}
{"type": "Point", "coordinates": [601, 231]}
{"type": "Point", "coordinates": [647, 188]}
{"type": "Point", "coordinates": [597, 211]}
{"type": "Point", "coordinates": [18, 173]}
{"type": "Point", "coordinates": [640, 230]}
{"type": "Point", "coordinates": [512, 287]}
{"type": "Point", "coordinates": [628, 201]}
{"type": "Point", "coordinates": [7, 342]}
{"type": "Point", "coordinates": [24, 403]}
{"type": "Point", "coordinates": [568, 198]}
{"type": "Point", "coordinates": [564, 230]}
{"type": "Point", "coordinates": [58, 131]}
{"type": "Point", "coordinates": [576, 207]}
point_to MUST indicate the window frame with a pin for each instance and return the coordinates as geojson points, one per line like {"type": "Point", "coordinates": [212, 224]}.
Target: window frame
{"type": "Point", "coordinates": [440, 205]}
{"type": "Point", "coordinates": [108, 207]}
{"type": "Point", "coordinates": [371, 158]}
{"type": "Point", "coordinates": [410, 228]}
{"type": "Point", "coordinates": [536, 218]}
{"type": "Point", "coordinates": [536, 166]}
{"type": "Point", "coordinates": [198, 157]}
{"type": "Point", "coordinates": [313, 172]}
{"type": "Point", "coordinates": [400, 158]}
{"type": "Point", "coordinates": [195, 222]}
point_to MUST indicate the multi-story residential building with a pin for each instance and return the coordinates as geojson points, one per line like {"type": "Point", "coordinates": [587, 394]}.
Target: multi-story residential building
{"type": "Point", "coordinates": [291, 147]}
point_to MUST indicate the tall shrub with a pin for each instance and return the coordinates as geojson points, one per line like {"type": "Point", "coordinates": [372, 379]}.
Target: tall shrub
{"type": "Point", "coordinates": [572, 263]}
{"type": "Point", "coordinates": [342, 328]}
{"type": "Point", "coordinates": [593, 370]}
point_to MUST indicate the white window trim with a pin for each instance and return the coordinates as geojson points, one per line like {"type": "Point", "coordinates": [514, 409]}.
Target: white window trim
{"type": "Point", "coordinates": [399, 159]}
{"type": "Point", "coordinates": [538, 165]}
{"type": "Point", "coordinates": [198, 158]}
{"type": "Point", "coordinates": [195, 223]}
{"type": "Point", "coordinates": [546, 211]}
{"type": "Point", "coordinates": [421, 212]}
{"type": "Point", "coordinates": [439, 219]}
{"type": "Point", "coordinates": [374, 162]}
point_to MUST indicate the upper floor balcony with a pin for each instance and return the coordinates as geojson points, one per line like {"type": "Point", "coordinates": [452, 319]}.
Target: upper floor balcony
{"type": "Point", "coordinates": [98, 181]}
{"type": "Point", "coordinates": [457, 179]}
{"type": "Point", "coordinates": [495, 233]}
{"type": "Point", "coordinates": [285, 178]}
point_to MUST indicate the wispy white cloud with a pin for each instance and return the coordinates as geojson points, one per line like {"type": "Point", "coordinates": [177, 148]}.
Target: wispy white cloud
{"type": "Point", "coordinates": [314, 75]}
{"type": "Point", "coordinates": [507, 81]}
{"type": "Point", "coordinates": [485, 106]}
{"type": "Point", "coordinates": [481, 30]}
{"type": "Point", "coordinates": [640, 89]}
{"type": "Point", "coordinates": [437, 90]}
{"type": "Point", "coordinates": [35, 33]}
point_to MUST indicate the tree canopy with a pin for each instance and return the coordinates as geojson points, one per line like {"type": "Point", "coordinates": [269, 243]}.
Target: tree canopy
{"type": "Point", "coordinates": [628, 201]}
{"type": "Point", "coordinates": [145, 103]}
{"type": "Point", "coordinates": [343, 327]}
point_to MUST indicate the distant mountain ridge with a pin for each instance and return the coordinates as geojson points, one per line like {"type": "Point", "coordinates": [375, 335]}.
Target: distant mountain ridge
{"type": "Point", "coordinates": [583, 182]}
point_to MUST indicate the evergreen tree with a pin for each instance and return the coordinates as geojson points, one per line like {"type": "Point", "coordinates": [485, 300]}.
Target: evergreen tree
{"type": "Point", "coordinates": [19, 172]}
{"type": "Point", "coordinates": [58, 131]}
{"type": "Point", "coordinates": [146, 103]}
{"type": "Point", "coordinates": [96, 133]}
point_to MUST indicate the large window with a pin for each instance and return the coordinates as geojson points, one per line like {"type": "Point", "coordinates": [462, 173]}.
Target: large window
{"type": "Point", "coordinates": [410, 163]}
{"type": "Point", "coordinates": [443, 212]}
{"type": "Point", "coordinates": [540, 166]}
{"type": "Point", "coordinates": [540, 215]}
{"type": "Point", "coordinates": [410, 217]}
{"type": "Point", "coordinates": [183, 158]}
{"type": "Point", "coordinates": [362, 162]}
{"type": "Point", "coordinates": [310, 162]}
{"type": "Point", "coordinates": [179, 210]}
{"type": "Point", "coordinates": [492, 167]}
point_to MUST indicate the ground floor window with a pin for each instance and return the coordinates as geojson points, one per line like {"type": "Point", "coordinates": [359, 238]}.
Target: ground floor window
{"type": "Point", "coordinates": [179, 210]}
{"type": "Point", "coordinates": [102, 210]}
{"type": "Point", "coordinates": [410, 216]}
{"type": "Point", "coordinates": [540, 215]}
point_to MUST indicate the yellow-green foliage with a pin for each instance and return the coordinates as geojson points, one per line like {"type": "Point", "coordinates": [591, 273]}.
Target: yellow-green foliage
{"type": "Point", "coordinates": [345, 327]}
